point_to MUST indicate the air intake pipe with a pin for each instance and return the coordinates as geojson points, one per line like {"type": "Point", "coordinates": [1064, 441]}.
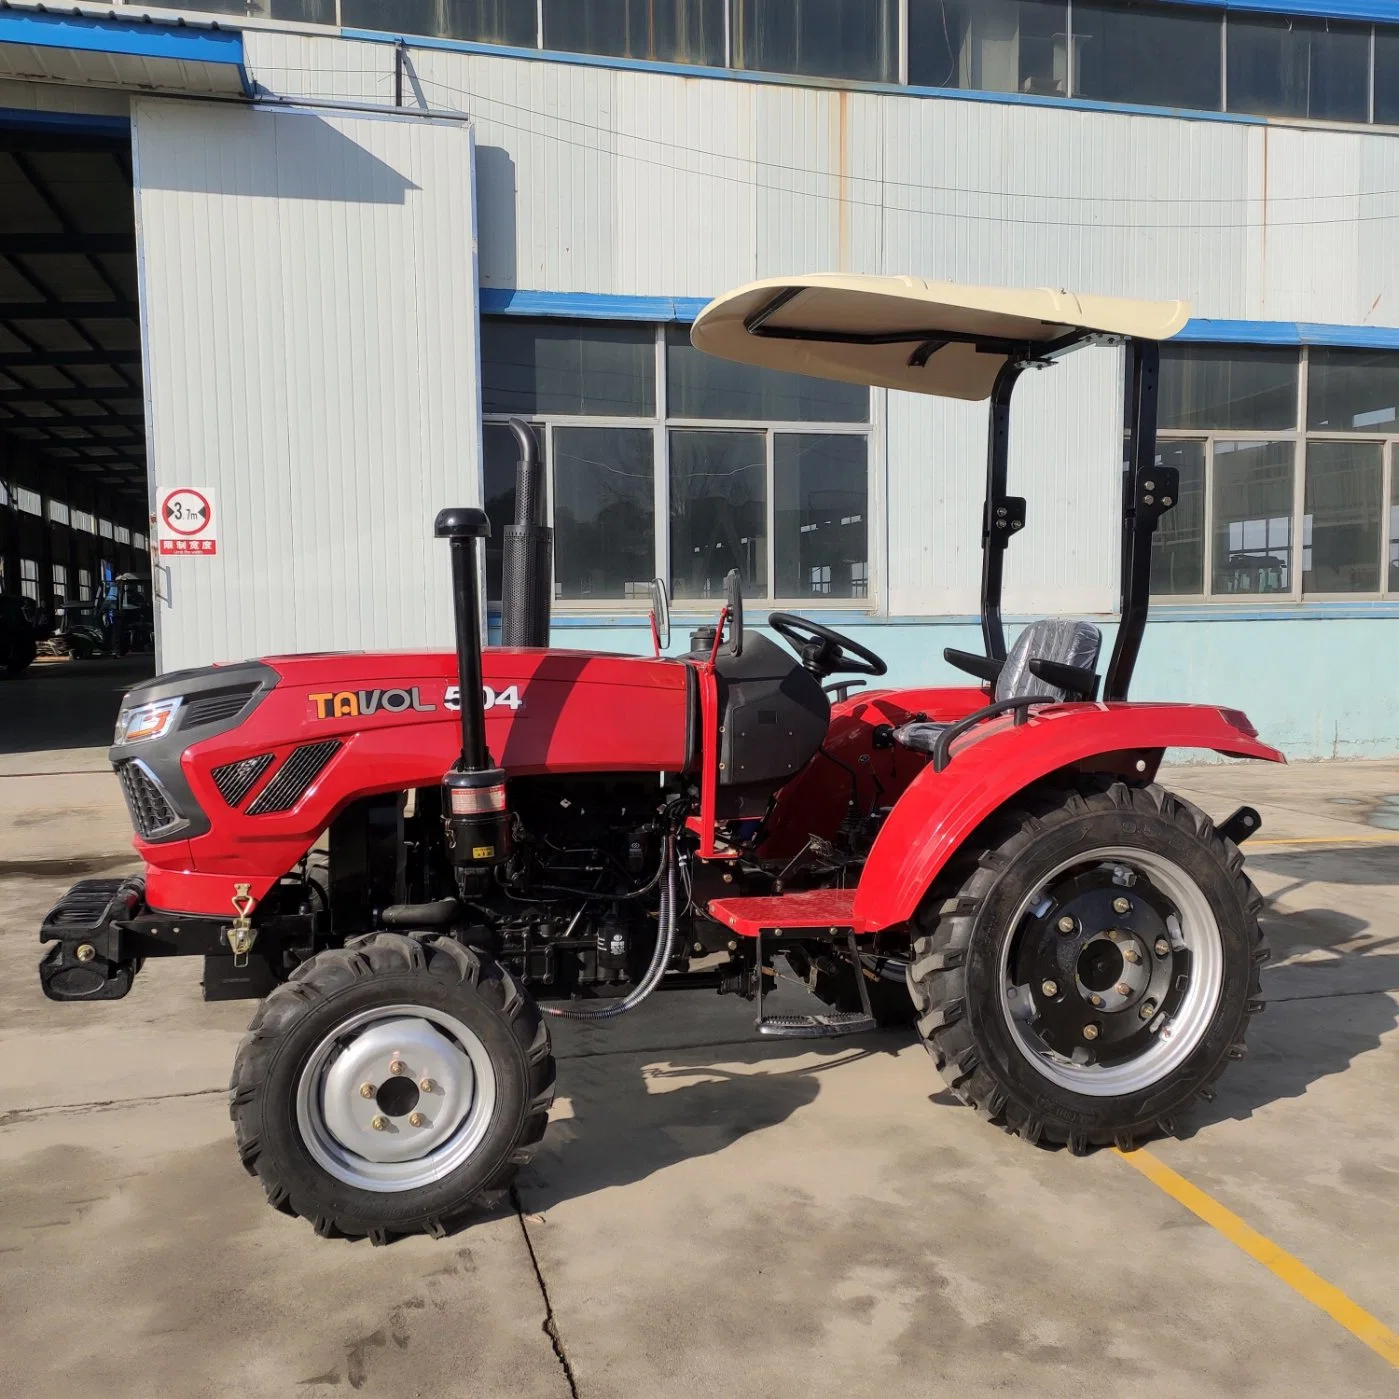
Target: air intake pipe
{"type": "Point", "coordinates": [527, 555]}
{"type": "Point", "coordinates": [474, 808]}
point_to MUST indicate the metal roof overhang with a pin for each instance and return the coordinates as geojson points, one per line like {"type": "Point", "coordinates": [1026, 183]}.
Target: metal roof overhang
{"type": "Point", "coordinates": [907, 333]}
{"type": "Point", "coordinates": [103, 49]}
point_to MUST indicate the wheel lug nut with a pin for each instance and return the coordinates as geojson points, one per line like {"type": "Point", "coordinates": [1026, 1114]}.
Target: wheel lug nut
{"type": "Point", "coordinates": [1163, 947]}
{"type": "Point", "coordinates": [1067, 925]}
{"type": "Point", "coordinates": [425, 1085]}
{"type": "Point", "coordinates": [1112, 934]}
{"type": "Point", "coordinates": [1121, 905]}
{"type": "Point", "coordinates": [1050, 988]}
{"type": "Point", "coordinates": [1148, 1010]}
{"type": "Point", "coordinates": [1122, 989]}
{"type": "Point", "coordinates": [1090, 1032]}
{"type": "Point", "coordinates": [367, 1090]}
{"type": "Point", "coordinates": [416, 1119]}
{"type": "Point", "coordinates": [1097, 1001]}
{"type": "Point", "coordinates": [1130, 954]}
{"type": "Point", "coordinates": [398, 1067]}
{"type": "Point", "coordinates": [380, 1124]}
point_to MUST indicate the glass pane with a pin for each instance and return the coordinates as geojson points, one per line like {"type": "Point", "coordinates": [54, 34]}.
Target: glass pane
{"type": "Point", "coordinates": [989, 45]}
{"type": "Point", "coordinates": [1282, 67]}
{"type": "Point", "coordinates": [488, 21]}
{"type": "Point", "coordinates": [1352, 390]}
{"type": "Point", "coordinates": [1387, 75]}
{"type": "Point", "coordinates": [1341, 518]}
{"type": "Point", "coordinates": [718, 512]}
{"type": "Point", "coordinates": [1152, 55]}
{"type": "Point", "coordinates": [1252, 517]}
{"type": "Point", "coordinates": [1221, 386]}
{"type": "Point", "coordinates": [700, 386]}
{"type": "Point", "coordinates": [820, 517]}
{"type": "Point", "coordinates": [584, 368]}
{"type": "Point", "coordinates": [501, 457]}
{"type": "Point", "coordinates": [305, 11]}
{"type": "Point", "coordinates": [672, 31]}
{"type": "Point", "coordinates": [1178, 546]}
{"type": "Point", "coordinates": [604, 513]}
{"type": "Point", "coordinates": [819, 38]}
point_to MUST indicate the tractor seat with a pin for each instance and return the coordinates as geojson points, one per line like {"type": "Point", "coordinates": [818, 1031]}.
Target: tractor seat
{"type": "Point", "coordinates": [1062, 650]}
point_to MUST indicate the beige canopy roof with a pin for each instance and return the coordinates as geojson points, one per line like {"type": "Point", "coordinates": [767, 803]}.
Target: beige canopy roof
{"type": "Point", "coordinates": [894, 331]}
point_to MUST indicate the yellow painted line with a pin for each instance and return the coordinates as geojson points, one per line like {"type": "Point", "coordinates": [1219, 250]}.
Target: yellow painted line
{"type": "Point", "coordinates": [1390, 838]}
{"type": "Point", "coordinates": [1300, 1278]}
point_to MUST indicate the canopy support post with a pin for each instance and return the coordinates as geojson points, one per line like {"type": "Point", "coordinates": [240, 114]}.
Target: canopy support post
{"type": "Point", "coordinates": [1148, 491]}
{"type": "Point", "coordinates": [1002, 516]}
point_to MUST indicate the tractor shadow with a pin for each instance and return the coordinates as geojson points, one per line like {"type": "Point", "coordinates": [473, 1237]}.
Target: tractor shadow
{"type": "Point", "coordinates": [1328, 989]}
{"type": "Point", "coordinates": [622, 1116]}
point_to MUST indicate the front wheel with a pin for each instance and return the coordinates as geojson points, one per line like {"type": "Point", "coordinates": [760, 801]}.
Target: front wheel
{"type": "Point", "coordinates": [391, 1086]}
{"type": "Point", "coordinates": [1096, 968]}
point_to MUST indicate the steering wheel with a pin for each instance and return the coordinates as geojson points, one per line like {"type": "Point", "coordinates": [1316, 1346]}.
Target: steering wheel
{"type": "Point", "coordinates": [823, 650]}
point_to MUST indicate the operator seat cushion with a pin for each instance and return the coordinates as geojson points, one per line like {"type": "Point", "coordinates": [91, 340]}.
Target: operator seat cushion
{"type": "Point", "coordinates": [1060, 639]}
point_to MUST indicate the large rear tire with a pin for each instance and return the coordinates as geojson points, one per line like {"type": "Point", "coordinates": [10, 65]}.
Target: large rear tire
{"type": "Point", "coordinates": [391, 1087]}
{"type": "Point", "coordinates": [1094, 968]}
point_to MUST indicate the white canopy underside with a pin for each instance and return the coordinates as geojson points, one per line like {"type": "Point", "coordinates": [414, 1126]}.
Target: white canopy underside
{"type": "Point", "coordinates": [847, 305]}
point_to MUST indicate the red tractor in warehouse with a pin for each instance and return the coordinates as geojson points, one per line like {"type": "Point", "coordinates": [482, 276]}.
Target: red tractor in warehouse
{"type": "Point", "coordinates": [414, 859]}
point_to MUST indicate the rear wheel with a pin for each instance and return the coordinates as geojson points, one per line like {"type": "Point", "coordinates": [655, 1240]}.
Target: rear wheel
{"type": "Point", "coordinates": [1095, 969]}
{"type": "Point", "coordinates": [392, 1086]}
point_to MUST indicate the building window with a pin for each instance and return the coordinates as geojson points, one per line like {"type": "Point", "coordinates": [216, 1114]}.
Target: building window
{"type": "Point", "coordinates": [83, 520]}
{"type": "Point", "coordinates": [298, 11]}
{"type": "Point", "coordinates": [483, 21]}
{"type": "Point", "coordinates": [1283, 67]}
{"type": "Point", "coordinates": [671, 31]}
{"type": "Point", "coordinates": [742, 468]}
{"type": "Point", "coordinates": [990, 45]}
{"type": "Point", "coordinates": [29, 578]}
{"type": "Point", "coordinates": [1148, 55]}
{"type": "Point", "coordinates": [1292, 454]}
{"type": "Point", "coordinates": [104, 528]}
{"type": "Point", "coordinates": [58, 512]}
{"type": "Point", "coordinates": [139, 541]}
{"type": "Point", "coordinates": [818, 38]}
{"type": "Point", "coordinates": [84, 585]}
{"type": "Point", "coordinates": [31, 502]}
{"type": "Point", "coordinates": [60, 584]}
{"type": "Point", "coordinates": [122, 535]}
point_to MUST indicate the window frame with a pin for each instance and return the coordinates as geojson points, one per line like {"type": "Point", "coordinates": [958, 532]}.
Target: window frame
{"type": "Point", "coordinates": [661, 427]}
{"type": "Point", "coordinates": [1300, 437]}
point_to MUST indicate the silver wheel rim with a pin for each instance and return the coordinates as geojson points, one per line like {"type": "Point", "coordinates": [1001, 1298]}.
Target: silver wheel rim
{"type": "Point", "coordinates": [1194, 928]}
{"type": "Point", "coordinates": [394, 1139]}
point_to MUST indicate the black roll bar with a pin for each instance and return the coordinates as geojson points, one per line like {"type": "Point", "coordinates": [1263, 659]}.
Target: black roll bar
{"type": "Point", "coordinates": [1002, 515]}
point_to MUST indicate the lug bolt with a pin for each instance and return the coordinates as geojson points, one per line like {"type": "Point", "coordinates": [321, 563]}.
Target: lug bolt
{"type": "Point", "coordinates": [1130, 954]}
{"type": "Point", "coordinates": [1122, 989]}
{"type": "Point", "coordinates": [1067, 925]}
{"type": "Point", "coordinates": [1090, 1032]}
{"type": "Point", "coordinates": [1050, 988]}
{"type": "Point", "coordinates": [1121, 905]}
{"type": "Point", "coordinates": [1148, 1010]}
{"type": "Point", "coordinates": [426, 1085]}
{"type": "Point", "coordinates": [398, 1067]}
{"type": "Point", "coordinates": [366, 1090]}
{"type": "Point", "coordinates": [1096, 1000]}
{"type": "Point", "coordinates": [85, 952]}
{"type": "Point", "coordinates": [416, 1119]}
{"type": "Point", "coordinates": [1163, 947]}
{"type": "Point", "coordinates": [380, 1124]}
{"type": "Point", "coordinates": [1111, 934]}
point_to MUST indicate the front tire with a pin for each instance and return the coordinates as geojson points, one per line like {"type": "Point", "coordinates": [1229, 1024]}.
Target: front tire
{"type": "Point", "coordinates": [1094, 968]}
{"type": "Point", "coordinates": [391, 1087]}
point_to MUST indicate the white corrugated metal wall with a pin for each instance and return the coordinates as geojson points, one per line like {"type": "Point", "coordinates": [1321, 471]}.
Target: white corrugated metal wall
{"type": "Point", "coordinates": [604, 180]}
{"type": "Point", "coordinates": [309, 308]}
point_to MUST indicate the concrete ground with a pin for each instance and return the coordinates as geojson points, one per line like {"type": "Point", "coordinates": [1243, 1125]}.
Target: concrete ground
{"type": "Point", "coordinates": [711, 1215]}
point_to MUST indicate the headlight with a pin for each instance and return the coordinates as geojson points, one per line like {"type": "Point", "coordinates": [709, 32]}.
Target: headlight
{"type": "Point", "coordinates": [146, 721]}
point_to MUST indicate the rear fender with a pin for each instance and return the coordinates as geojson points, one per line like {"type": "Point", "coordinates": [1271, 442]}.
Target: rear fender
{"type": "Point", "coordinates": [997, 760]}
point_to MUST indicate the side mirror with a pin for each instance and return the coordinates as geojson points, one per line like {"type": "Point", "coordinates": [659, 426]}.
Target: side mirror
{"type": "Point", "coordinates": [733, 598]}
{"type": "Point", "coordinates": [660, 615]}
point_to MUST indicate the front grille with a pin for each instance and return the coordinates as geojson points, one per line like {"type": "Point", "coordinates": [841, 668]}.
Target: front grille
{"type": "Point", "coordinates": [294, 777]}
{"type": "Point", "coordinates": [214, 706]}
{"type": "Point", "coordinates": [236, 780]}
{"type": "Point", "coordinates": [151, 811]}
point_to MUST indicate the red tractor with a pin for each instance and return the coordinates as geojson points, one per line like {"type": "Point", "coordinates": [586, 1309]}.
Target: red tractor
{"type": "Point", "coordinates": [413, 859]}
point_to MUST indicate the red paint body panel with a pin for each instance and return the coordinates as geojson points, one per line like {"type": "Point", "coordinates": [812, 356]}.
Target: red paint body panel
{"type": "Point", "coordinates": [814, 801]}
{"type": "Point", "coordinates": [827, 909]}
{"type": "Point", "coordinates": [579, 712]}
{"type": "Point", "coordinates": [995, 761]}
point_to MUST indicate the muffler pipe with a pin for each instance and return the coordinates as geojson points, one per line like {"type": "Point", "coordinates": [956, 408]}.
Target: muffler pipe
{"type": "Point", "coordinates": [527, 553]}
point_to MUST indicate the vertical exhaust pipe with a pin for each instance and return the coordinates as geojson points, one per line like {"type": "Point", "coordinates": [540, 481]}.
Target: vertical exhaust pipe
{"type": "Point", "coordinates": [527, 554]}
{"type": "Point", "coordinates": [474, 808]}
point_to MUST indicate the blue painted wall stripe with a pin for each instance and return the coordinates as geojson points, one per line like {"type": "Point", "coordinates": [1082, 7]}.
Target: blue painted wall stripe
{"type": "Point", "coordinates": [143, 38]}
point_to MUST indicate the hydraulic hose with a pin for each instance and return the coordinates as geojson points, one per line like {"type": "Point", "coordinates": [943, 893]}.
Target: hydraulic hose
{"type": "Point", "coordinates": [660, 959]}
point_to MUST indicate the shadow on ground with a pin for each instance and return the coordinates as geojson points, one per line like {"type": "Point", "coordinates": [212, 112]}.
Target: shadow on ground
{"type": "Point", "coordinates": [67, 704]}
